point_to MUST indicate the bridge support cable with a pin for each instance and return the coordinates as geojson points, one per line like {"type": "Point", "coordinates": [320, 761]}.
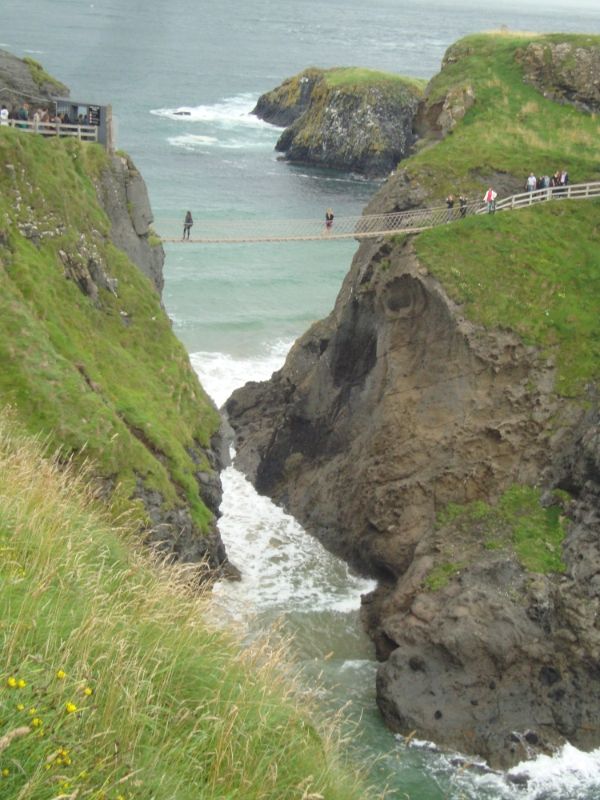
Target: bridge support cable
{"type": "Point", "coordinates": [219, 231]}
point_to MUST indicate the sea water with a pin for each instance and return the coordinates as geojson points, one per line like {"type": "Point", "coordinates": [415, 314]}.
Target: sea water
{"type": "Point", "coordinates": [182, 78]}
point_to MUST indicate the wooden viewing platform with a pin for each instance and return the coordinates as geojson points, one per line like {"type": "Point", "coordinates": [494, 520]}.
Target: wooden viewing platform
{"type": "Point", "coordinates": [362, 227]}
{"type": "Point", "coordinates": [84, 133]}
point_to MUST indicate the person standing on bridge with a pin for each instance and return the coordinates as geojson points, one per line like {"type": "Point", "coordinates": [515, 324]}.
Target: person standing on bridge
{"type": "Point", "coordinates": [489, 199]}
{"type": "Point", "coordinates": [328, 219]}
{"type": "Point", "coordinates": [187, 225]}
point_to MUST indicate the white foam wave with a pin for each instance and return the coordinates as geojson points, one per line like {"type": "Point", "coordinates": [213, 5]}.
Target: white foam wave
{"type": "Point", "coordinates": [191, 141]}
{"type": "Point", "coordinates": [195, 142]}
{"type": "Point", "coordinates": [221, 373]}
{"type": "Point", "coordinates": [570, 773]}
{"type": "Point", "coordinates": [230, 112]}
{"type": "Point", "coordinates": [283, 568]}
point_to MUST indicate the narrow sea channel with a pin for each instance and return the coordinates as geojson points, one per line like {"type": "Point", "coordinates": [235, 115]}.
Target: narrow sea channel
{"type": "Point", "coordinates": [292, 584]}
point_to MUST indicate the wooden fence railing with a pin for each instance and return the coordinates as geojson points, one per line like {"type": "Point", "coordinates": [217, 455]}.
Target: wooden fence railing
{"type": "Point", "coordinates": [575, 191]}
{"type": "Point", "coordinates": [85, 133]}
{"type": "Point", "coordinates": [220, 231]}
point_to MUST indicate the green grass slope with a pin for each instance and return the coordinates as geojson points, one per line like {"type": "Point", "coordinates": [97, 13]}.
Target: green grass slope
{"type": "Point", "coordinates": [536, 271]}
{"type": "Point", "coordinates": [512, 128]}
{"type": "Point", "coordinates": [106, 380]}
{"type": "Point", "coordinates": [112, 684]}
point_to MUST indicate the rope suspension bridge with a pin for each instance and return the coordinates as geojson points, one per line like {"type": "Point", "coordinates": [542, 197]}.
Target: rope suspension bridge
{"type": "Point", "coordinates": [368, 226]}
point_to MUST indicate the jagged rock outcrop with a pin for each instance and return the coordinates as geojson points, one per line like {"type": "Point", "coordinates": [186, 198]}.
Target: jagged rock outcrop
{"type": "Point", "coordinates": [385, 412]}
{"type": "Point", "coordinates": [282, 106]}
{"type": "Point", "coordinates": [124, 197]}
{"type": "Point", "coordinates": [437, 118]}
{"type": "Point", "coordinates": [363, 126]}
{"type": "Point", "coordinates": [564, 71]}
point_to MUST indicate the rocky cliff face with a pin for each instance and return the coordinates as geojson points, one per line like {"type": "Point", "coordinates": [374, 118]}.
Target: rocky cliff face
{"type": "Point", "coordinates": [386, 412]}
{"type": "Point", "coordinates": [334, 121]}
{"type": "Point", "coordinates": [124, 196]}
{"type": "Point", "coordinates": [564, 71]}
{"type": "Point", "coordinates": [24, 80]}
{"type": "Point", "coordinates": [285, 104]}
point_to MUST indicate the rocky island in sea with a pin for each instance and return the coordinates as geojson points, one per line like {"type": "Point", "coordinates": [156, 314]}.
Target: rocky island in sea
{"type": "Point", "coordinates": [344, 118]}
{"type": "Point", "coordinates": [440, 428]}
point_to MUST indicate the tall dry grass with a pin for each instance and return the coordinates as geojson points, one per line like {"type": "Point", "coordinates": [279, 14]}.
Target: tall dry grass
{"type": "Point", "coordinates": [113, 684]}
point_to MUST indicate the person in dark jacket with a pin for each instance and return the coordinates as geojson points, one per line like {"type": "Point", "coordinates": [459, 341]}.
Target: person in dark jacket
{"type": "Point", "coordinates": [187, 225]}
{"type": "Point", "coordinates": [329, 219]}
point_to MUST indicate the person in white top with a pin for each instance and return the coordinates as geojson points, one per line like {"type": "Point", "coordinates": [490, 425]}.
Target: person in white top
{"type": "Point", "coordinates": [531, 183]}
{"type": "Point", "coordinates": [490, 199]}
{"type": "Point", "coordinates": [4, 115]}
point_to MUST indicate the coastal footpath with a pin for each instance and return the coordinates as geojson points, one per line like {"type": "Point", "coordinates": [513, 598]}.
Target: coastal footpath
{"type": "Point", "coordinates": [440, 428]}
{"type": "Point", "coordinates": [353, 119]}
{"type": "Point", "coordinates": [114, 680]}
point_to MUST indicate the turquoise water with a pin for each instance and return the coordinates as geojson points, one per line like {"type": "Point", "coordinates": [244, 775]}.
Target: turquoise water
{"type": "Point", "coordinates": [238, 308]}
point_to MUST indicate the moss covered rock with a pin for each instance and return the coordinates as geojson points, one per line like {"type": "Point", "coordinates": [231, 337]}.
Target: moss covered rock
{"type": "Point", "coordinates": [350, 119]}
{"type": "Point", "coordinates": [567, 71]}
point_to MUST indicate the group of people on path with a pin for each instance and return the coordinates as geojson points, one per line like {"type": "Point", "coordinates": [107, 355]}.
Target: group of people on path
{"type": "Point", "coordinates": [489, 199]}
{"type": "Point", "coordinates": [462, 205]}
{"type": "Point", "coordinates": [560, 178]}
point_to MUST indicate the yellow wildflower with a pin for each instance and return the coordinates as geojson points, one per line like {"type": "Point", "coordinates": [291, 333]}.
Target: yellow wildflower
{"type": "Point", "coordinates": [12, 682]}
{"type": "Point", "coordinates": [36, 722]}
{"type": "Point", "coordinates": [88, 691]}
{"type": "Point", "coordinates": [5, 772]}
{"type": "Point", "coordinates": [71, 708]}
{"type": "Point", "coordinates": [20, 707]}
{"type": "Point", "coordinates": [21, 683]}
{"type": "Point", "coordinates": [33, 711]}
{"type": "Point", "coordinates": [61, 674]}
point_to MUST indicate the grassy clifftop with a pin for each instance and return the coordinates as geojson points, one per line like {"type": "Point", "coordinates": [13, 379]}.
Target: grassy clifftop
{"type": "Point", "coordinates": [504, 129]}
{"type": "Point", "coordinates": [535, 271]}
{"type": "Point", "coordinates": [98, 372]}
{"type": "Point", "coordinates": [112, 684]}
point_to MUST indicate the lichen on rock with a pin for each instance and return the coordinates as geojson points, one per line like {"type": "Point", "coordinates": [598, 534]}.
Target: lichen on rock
{"type": "Point", "coordinates": [356, 120]}
{"type": "Point", "coordinates": [564, 71]}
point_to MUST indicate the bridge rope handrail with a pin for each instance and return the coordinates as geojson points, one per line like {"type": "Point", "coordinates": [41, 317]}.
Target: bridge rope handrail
{"type": "Point", "coordinates": [221, 231]}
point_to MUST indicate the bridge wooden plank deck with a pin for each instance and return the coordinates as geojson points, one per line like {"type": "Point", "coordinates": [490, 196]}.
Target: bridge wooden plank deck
{"type": "Point", "coordinates": [366, 226]}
